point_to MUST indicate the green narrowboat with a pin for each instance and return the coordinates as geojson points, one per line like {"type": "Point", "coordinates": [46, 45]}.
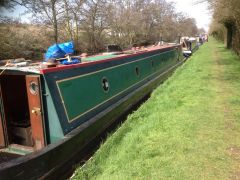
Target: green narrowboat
{"type": "Point", "coordinates": [48, 115]}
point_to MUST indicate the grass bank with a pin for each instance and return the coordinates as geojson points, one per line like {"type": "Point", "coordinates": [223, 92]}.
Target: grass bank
{"type": "Point", "coordinates": [188, 129]}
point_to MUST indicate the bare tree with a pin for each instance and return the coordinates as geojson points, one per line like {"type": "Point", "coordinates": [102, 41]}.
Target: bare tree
{"type": "Point", "coordinates": [93, 23]}
{"type": "Point", "coordinates": [226, 16]}
{"type": "Point", "coordinates": [72, 18]}
{"type": "Point", "coordinates": [46, 11]}
{"type": "Point", "coordinates": [8, 4]}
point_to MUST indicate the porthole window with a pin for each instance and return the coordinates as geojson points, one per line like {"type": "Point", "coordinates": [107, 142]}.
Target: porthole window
{"type": "Point", "coordinates": [33, 88]}
{"type": "Point", "coordinates": [152, 64]}
{"type": "Point", "coordinates": [137, 71]}
{"type": "Point", "coordinates": [105, 84]}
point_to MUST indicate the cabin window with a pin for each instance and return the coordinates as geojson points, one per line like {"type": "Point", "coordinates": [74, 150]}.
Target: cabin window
{"type": "Point", "coordinates": [105, 84]}
{"type": "Point", "coordinates": [152, 64]}
{"type": "Point", "coordinates": [33, 88]}
{"type": "Point", "coordinates": [137, 71]}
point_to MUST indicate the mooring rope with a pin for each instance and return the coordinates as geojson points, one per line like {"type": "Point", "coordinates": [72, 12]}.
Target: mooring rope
{"type": "Point", "coordinates": [3, 71]}
{"type": "Point", "coordinates": [6, 65]}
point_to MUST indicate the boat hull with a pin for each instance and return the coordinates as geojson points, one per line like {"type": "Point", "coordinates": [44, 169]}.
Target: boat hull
{"type": "Point", "coordinates": [51, 159]}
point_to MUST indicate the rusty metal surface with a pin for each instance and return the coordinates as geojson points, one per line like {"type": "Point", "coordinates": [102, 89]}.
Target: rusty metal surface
{"type": "Point", "coordinates": [2, 140]}
{"type": "Point", "coordinates": [36, 119]}
{"type": "Point", "coordinates": [2, 125]}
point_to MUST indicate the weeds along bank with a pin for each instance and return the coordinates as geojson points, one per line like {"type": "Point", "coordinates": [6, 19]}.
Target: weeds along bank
{"type": "Point", "coordinates": [23, 40]}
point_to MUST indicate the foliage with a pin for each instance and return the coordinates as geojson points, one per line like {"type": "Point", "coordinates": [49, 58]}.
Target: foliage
{"type": "Point", "coordinates": [226, 18]}
{"type": "Point", "coordinates": [22, 40]}
{"type": "Point", "coordinates": [7, 4]}
{"type": "Point", "coordinates": [188, 129]}
{"type": "Point", "coordinates": [92, 24]}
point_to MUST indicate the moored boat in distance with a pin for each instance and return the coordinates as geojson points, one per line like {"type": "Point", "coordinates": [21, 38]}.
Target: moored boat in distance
{"type": "Point", "coordinates": [49, 114]}
{"type": "Point", "coordinates": [189, 44]}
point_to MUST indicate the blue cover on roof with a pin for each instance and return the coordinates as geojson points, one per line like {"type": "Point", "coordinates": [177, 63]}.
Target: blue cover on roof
{"type": "Point", "coordinates": [59, 50]}
{"type": "Point", "coordinates": [67, 47]}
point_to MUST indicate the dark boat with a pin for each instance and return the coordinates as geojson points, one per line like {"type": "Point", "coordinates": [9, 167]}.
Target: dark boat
{"type": "Point", "coordinates": [49, 114]}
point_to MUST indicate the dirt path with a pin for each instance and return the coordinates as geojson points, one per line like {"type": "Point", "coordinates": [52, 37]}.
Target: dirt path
{"type": "Point", "coordinates": [226, 92]}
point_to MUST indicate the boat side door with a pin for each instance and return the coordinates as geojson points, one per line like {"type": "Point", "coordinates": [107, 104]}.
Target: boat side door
{"type": "Point", "coordinates": [34, 94]}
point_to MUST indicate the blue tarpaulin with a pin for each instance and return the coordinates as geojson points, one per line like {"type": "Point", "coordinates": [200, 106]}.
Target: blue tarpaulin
{"type": "Point", "coordinates": [59, 50]}
{"type": "Point", "coordinates": [67, 47]}
{"type": "Point", "coordinates": [54, 52]}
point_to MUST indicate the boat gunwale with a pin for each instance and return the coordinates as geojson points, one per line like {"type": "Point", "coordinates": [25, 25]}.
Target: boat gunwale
{"type": "Point", "coordinates": [72, 66]}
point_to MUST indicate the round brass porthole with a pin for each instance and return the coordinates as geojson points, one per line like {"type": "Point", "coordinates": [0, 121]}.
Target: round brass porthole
{"type": "Point", "coordinates": [33, 88]}
{"type": "Point", "coordinates": [105, 84]}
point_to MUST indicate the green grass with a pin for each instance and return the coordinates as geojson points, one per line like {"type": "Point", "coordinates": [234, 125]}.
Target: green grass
{"type": "Point", "coordinates": [188, 129]}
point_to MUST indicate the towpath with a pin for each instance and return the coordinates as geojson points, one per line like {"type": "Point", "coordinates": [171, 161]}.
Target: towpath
{"type": "Point", "coordinates": [188, 129]}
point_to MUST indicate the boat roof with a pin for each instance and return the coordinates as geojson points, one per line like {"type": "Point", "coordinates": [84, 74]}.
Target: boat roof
{"type": "Point", "coordinates": [28, 69]}
{"type": "Point", "coordinates": [90, 60]}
